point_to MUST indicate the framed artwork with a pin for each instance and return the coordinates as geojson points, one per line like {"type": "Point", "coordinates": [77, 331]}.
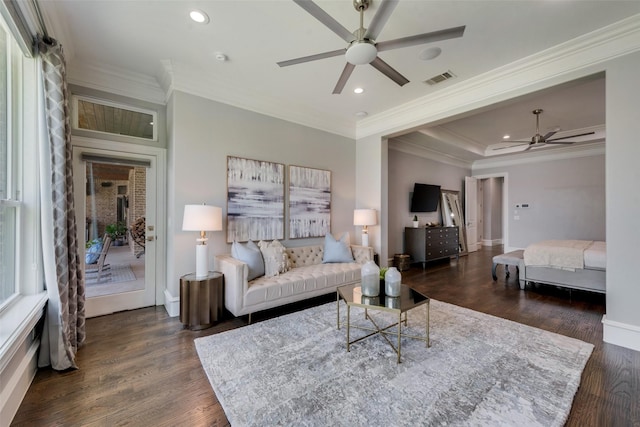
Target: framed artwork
{"type": "Point", "coordinates": [309, 202]}
{"type": "Point", "coordinates": [255, 200]}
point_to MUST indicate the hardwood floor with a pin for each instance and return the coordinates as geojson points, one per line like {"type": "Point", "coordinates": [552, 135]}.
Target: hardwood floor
{"type": "Point", "coordinates": [140, 367]}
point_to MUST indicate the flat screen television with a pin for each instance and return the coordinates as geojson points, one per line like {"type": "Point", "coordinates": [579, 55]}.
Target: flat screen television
{"type": "Point", "coordinates": [425, 198]}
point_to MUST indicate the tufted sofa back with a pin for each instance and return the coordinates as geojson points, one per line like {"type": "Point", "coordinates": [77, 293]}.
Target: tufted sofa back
{"type": "Point", "coordinates": [305, 255]}
{"type": "Point", "coordinates": [312, 255]}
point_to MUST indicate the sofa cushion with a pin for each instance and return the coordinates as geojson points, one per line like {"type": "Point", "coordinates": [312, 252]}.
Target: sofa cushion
{"type": "Point", "coordinates": [250, 254]}
{"type": "Point", "coordinates": [301, 280]}
{"type": "Point", "coordinates": [275, 258]}
{"type": "Point", "coordinates": [337, 250]}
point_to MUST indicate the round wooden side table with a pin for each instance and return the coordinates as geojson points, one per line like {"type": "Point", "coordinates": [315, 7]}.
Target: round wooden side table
{"type": "Point", "coordinates": [201, 300]}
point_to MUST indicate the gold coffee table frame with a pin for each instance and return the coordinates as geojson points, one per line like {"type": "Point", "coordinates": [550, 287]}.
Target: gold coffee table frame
{"type": "Point", "coordinates": [408, 299]}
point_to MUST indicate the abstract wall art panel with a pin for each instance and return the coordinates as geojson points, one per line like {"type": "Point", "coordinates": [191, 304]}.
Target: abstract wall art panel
{"type": "Point", "coordinates": [309, 202]}
{"type": "Point", "coordinates": [255, 200]}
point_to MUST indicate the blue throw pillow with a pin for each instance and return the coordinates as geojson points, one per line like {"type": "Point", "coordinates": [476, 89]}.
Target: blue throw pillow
{"type": "Point", "coordinates": [250, 254]}
{"type": "Point", "coordinates": [336, 250]}
{"type": "Point", "coordinates": [93, 253]}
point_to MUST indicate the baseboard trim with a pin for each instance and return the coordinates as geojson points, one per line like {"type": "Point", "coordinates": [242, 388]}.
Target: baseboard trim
{"type": "Point", "coordinates": [621, 334]}
{"type": "Point", "coordinates": [494, 242]}
{"type": "Point", "coordinates": [16, 388]}
{"type": "Point", "coordinates": [171, 304]}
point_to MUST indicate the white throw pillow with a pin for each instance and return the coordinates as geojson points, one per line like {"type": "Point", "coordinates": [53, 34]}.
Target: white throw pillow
{"type": "Point", "coordinates": [275, 258]}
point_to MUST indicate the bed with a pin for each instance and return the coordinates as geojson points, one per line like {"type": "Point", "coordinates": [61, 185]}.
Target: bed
{"type": "Point", "coordinates": [574, 264]}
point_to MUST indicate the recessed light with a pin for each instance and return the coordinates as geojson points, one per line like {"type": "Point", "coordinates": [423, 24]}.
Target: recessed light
{"type": "Point", "coordinates": [220, 56]}
{"type": "Point", "coordinates": [429, 53]}
{"type": "Point", "coordinates": [358, 90]}
{"type": "Point", "coordinates": [362, 114]}
{"type": "Point", "coordinates": [506, 137]}
{"type": "Point", "coordinates": [199, 16]}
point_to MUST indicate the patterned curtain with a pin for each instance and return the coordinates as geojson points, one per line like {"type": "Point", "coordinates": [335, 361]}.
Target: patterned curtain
{"type": "Point", "coordinates": [64, 327]}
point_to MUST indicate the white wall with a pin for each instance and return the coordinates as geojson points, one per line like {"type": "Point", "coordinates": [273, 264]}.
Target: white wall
{"type": "Point", "coordinates": [622, 323]}
{"type": "Point", "coordinates": [201, 136]}
{"type": "Point", "coordinates": [372, 171]}
{"type": "Point", "coordinates": [404, 171]}
{"type": "Point", "coordinates": [566, 199]}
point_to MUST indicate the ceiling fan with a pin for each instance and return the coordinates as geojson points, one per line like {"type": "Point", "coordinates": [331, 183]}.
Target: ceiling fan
{"type": "Point", "coordinates": [362, 46]}
{"type": "Point", "coordinates": [538, 140]}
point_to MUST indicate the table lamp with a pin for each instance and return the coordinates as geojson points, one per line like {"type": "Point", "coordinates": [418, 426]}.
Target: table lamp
{"type": "Point", "coordinates": [202, 218]}
{"type": "Point", "coordinates": [365, 217]}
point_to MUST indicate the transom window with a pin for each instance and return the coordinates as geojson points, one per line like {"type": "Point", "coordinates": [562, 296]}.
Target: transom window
{"type": "Point", "coordinates": [110, 118]}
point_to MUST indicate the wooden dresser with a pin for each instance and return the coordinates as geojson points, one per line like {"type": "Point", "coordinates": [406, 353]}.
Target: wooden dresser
{"type": "Point", "coordinates": [430, 243]}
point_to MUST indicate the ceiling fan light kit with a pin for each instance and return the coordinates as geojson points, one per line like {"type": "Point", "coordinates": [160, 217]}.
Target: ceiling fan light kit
{"type": "Point", "coordinates": [361, 53]}
{"type": "Point", "coordinates": [362, 48]}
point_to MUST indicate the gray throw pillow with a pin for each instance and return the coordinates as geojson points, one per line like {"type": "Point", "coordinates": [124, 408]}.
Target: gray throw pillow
{"type": "Point", "coordinates": [250, 254]}
{"type": "Point", "coordinates": [336, 250]}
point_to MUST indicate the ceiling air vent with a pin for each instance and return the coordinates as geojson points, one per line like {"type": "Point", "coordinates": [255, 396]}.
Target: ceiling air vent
{"type": "Point", "coordinates": [440, 78]}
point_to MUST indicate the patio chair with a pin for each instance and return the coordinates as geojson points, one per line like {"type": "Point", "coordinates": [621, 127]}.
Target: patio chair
{"type": "Point", "coordinates": [100, 267]}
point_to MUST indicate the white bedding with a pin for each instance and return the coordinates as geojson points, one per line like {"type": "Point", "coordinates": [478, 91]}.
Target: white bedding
{"type": "Point", "coordinates": [562, 254]}
{"type": "Point", "coordinates": [595, 256]}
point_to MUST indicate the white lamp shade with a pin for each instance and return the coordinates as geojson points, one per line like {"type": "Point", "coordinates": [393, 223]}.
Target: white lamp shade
{"type": "Point", "coordinates": [365, 217]}
{"type": "Point", "coordinates": [202, 218]}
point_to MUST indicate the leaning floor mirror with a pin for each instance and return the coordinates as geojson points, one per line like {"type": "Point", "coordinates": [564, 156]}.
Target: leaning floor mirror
{"type": "Point", "coordinates": [452, 216]}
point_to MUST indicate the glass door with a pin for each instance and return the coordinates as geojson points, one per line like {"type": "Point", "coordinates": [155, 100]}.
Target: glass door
{"type": "Point", "coordinates": [115, 211]}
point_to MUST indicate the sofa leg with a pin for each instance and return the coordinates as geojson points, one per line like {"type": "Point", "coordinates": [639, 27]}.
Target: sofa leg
{"type": "Point", "coordinates": [249, 319]}
{"type": "Point", "coordinates": [493, 271]}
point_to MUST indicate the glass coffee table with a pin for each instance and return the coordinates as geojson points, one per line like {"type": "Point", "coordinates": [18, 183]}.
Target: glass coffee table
{"type": "Point", "coordinates": [408, 299]}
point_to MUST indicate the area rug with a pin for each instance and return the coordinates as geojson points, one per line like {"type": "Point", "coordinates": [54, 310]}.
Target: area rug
{"type": "Point", "coordinates": [114, 274]}
{"type": "Point", "coordinates": [480, 370]}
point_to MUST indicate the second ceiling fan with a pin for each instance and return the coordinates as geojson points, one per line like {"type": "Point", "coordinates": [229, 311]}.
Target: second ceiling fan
{"type": "Point", "coordinates": [362, 47]}
{"type": "Point", "coordinates": [538, 140]}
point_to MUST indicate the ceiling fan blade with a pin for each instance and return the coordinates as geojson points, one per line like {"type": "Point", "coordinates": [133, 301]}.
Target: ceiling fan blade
{"type": "Point", "coordinates": [522, 141]}
{"type": "Point", "coordinates": [529, 147]}
{"type": "Point", "coordinates": [388, 71]}
{"type": "Point", "coordinates": [312, 57]}
{"type": "Point", "coordinates": [346, 73]}
{"type": "Point", "coordinates": [326, 19]}
{"type": "Point", "coordinates": [380, 18]}
{"type": "Point", "coordinates": [549, 134]}
{"type": "Point", "coordinates": [433, 36]}
{"type": "Point", "coordinates": [567, 137]}
{"type": "Point", "coordinates": [504, 148]}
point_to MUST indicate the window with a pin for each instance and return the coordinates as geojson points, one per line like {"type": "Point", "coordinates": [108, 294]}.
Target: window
{"type": "Point", "coordinates": [108, 117]}
{"type": "Point", "coordinates": [9, 203]}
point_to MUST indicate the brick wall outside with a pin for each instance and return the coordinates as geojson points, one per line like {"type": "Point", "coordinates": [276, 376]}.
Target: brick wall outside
{"type": "Point", "coordinates": [105, 200]}
{"type": "Point", "coordinates": [137, 201]}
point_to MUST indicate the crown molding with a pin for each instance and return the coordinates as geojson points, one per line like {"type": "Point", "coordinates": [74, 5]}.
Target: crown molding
{"type": "Point", "coordinates": [116, 80]}
{"type": "Point", "coordinates": [543, 69]}
{"type": "Point", "coordinates": [454, 139]}
{"type": "Point", "coordinates": [405, 146]}
{"type": "Point", "coordinates": [561, 153]}
{"type": "Point", "coordinates": [182, 79]}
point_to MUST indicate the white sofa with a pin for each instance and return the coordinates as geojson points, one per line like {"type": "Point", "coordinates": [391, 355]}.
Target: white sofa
{"type": "Point", "coordinates": [308, 277]}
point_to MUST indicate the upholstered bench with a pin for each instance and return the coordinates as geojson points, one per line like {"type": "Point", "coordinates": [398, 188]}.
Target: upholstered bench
{"type": "Point", "coordinates": [515, 258]}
